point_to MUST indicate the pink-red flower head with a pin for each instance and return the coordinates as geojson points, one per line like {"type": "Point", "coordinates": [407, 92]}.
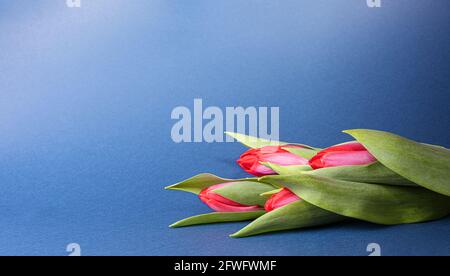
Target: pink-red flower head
{"type": "Point", "coordinates": [284, 197]}
{"type": "Point", "coordinates": [251, 160]}
{"type": "Point", "coordinates": [352, 153]}
{"type": "Point", "coordinates": [221, 204]}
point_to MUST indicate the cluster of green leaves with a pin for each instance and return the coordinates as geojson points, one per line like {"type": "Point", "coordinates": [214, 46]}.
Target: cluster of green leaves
{"type": "Point", "coordinates": [409, 183]}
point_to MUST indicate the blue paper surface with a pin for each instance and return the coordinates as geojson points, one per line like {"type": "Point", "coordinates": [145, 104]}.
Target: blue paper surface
{"type": "Point", "coordinates": [86, 96]}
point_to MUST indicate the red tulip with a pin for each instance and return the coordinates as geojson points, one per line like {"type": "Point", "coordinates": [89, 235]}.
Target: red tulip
{"type": "Point", "coordinates": [222, 204]}
{"type": "Point", "coordinates": [250, 160]}
{"type": "Point", "coordinates": [284, 197]}
{"type": "Point", "coordinates": [352, 153]}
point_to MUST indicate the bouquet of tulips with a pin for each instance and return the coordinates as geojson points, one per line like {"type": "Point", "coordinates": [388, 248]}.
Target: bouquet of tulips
{"type": "Point", "coordinates": [378, 177]}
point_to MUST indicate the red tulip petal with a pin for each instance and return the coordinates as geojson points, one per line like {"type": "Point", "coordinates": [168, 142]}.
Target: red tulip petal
{"type": "Point", "coordinates": [251, 160]}
{"type": "Point", "coordinates": [284, 159]}
{"type": "Point", "coordinates": [223, 204]}
{"type": "Point", "coordinates": [348, 158]}
{"type": "Point", "coordinates": [350, 146]}
{"type": "Point", "coordinates": [280, 199]}
{"type": "Point", "coordinates": [221, 207]}
{"type": "Point", "coordinates": [352, 153]}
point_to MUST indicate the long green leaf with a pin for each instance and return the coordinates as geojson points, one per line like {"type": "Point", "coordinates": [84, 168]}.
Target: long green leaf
{"type": "Point", "coordinates": [425, 165]}
{"type": "Point", "coordinates": [199, 182]}
{"type": "Point", "coordinates": [371, 173]}
{"type": "Point", "coordinates": [271, 193]}
{"type": "Point", "coordinates": [255, 142]}
{"type": "Point", "coordinates": [436, 147]}
{"type": "Point", "coordinates": [287, 170]}
{"type": "Point", "coordinates": [217, 217]}
{"type": "Point", "coordinates": [307, 153]}
{"type": "Point", "coordinates": [298, 214]}
{"type": "Point", "coordinates": [383, 204]}
{"type": "Point", "coordinates": [246, 192]}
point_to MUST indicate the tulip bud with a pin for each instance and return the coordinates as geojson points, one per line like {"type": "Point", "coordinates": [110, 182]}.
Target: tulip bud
{"type": "Point", "coordinates": [251, 160]}
{"type": "Point", "coordinates": [284, 197]}
{"type": "Point", "coordinates": [348, 154]}
{"type": "Point", "coordinates": [222, 204]}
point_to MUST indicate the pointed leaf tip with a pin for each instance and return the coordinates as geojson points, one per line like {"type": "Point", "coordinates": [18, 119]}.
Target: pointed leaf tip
{"type": "Point", "coordinates": [197, 183]}
{"type": "Point", "coordinates": [253, 141]}
{"type": "Point", "coordinates": [354, 131]}
{"type": "Point", "coordinates": [235, 235]}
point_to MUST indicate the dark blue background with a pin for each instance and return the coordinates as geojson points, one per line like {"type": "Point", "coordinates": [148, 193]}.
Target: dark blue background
{"type": "Point", "coordinates": [86, 96]}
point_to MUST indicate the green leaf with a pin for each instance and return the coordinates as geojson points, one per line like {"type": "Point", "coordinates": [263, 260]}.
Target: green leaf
{"type": "Point", "coordinates": [371, 173]}
{"type": "Point", "coordinates": [246, 192]}
{"type": "Point", "coordinates": [436, 147]}
{"type": "Point", "coordinates": [199, 182]}
{"type": "Point", "coordinates": [255, 142]}
{"type": "Point", "coordinates": [307, 153]}
{"type": "Point", "coordinates": [383, 204]}
{"type": "Point", "coordinates": [217, 217]}
{"type": "Point", "coordinates": [426, 165]}
{"type": "Point", "coordinates": [286, 170]}
{"type": "Point", "coordinates": [298, 214]}
{"type": "Point", "coordinates": [271, 193]}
